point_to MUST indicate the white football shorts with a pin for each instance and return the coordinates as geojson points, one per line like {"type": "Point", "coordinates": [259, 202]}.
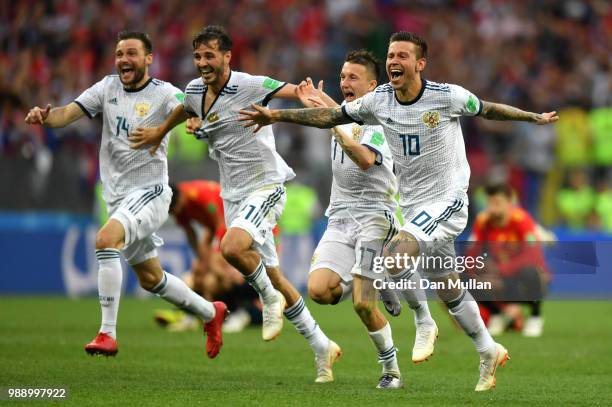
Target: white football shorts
{"type": "Point", "coordinates": [258, 214]}
{"type": "Point", "coordinates": [349, 245]}
{"type": "Point", "coordinates": [142, 213]}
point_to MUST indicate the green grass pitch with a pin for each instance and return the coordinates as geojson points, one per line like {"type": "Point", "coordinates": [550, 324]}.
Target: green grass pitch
{"type": "Point", "coordinates": [42, 338]}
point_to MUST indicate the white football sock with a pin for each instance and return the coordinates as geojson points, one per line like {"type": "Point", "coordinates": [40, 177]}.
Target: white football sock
{"type": "Point", "coordinates": [416, 298]}
{"type": "Point", "coordinates": [465, 311]}
{"type": "Point", "coordinates": [110, 275]}
{"type": "Point", "coordinates": [261, 283]}
{"type": "Point", "coordinates": [387, 353]}
{"type": "Point", "coordinates": [304, 323]}
{"type": "Point", "coordinates": [175, 291]}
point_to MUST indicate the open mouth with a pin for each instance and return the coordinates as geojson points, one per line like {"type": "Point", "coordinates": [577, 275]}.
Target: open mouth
{"type": "Point", "coordinates": [206, 71]}
{"type": "Point", "coordinates": [126, 70]}
{"type": "Point", "coordinates": [348, 94]}
{"type": "Point", "coordinates": [395, 73]}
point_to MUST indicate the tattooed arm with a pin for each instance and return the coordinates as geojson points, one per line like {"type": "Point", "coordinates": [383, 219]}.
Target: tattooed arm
{"type": "Point", "coordinates": [499, 111]}
{"type": "Point", "coordinates": [322, 117]}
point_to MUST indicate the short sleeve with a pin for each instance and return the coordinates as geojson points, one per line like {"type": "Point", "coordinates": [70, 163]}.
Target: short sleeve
{"type": "Point", "coordinates": [361, 110]}
{"type": "Point", "coordinates": [263, 88]}
{"type": "Point", "coordinates": [91, 101]}
{"type": "Point", "coordinates": [464, 102]}
{"type": "Point", "coordinates": [193, 97]}
{"type": "Point", "coordinates": [174, 98]}
{"type": "Point", "coordinates": [374, 139]}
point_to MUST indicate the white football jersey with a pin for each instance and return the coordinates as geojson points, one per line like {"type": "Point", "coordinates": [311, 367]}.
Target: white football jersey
{"type": "Point", "coordinates": [425, 138]}
{"type": "Point", "coordinates": [123, 169]}
{"type": "Point", "coordinates": [354, 189]}
{"type": "Point", "coordinates": [247, 161]}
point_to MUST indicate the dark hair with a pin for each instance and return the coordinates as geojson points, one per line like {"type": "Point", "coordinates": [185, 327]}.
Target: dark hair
{"type": "Point", "coordinates": [413, 38]}
{"type": "Point", "coordinates": [213, 32]}
{"type": "Point", "coordinates": [365, 58]}
{"type": "Point", "coordinates": [137, 35]}
{"type": "Point", "coordinates": [175, 195]}
{"type": "Point", "coordinates": [494, 189]}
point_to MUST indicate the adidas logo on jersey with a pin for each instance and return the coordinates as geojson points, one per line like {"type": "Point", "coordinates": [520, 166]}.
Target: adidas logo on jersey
{"type": "Point", "coordinates": [389, 120]}
{"type": "Point", "coordinates": [113, 101]}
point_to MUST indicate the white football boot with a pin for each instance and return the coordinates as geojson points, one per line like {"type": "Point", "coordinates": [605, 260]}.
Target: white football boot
{"type": "Point", "coordinates": [273, 318]}
{"type": "Point", "coordinates": [489, 362]}
{"type": "Point", "coordinates": [424, 342]}
{"type": "Point", "coordinates": [325, 361]}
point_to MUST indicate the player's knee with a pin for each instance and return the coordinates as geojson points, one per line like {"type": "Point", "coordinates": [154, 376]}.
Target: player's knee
{"type": "Point", "coordinates": [232, 251]}
{"type": "Point", "coordinates": [105, 241]}
{"type": "Point", "coordinates": [319, 293]}
{"type": "Point", "coordinates": [364, 309]}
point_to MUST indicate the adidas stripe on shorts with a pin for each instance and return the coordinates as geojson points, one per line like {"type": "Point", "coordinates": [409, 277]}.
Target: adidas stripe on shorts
{"type": "Point", "coordinates": [258, 214]}
{"type": "Point", "coordinates": [436, 226]}
{"type": "Point", "coordinates": [142, 213]}
{"type": "Point", "coordinates": [349, 244]}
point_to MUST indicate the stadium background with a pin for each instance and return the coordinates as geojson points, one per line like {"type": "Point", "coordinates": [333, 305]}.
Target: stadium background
{"type": "Point", "coordinates": [539, 55]}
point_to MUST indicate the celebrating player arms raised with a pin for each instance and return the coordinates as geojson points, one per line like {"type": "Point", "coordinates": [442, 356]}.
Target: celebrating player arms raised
{"type": "Point", "coordinates": [421, 124]}
{"type": "Point", "coordinates": [361, 221]}
{"type": "Point", "coordinates": [252, 177]}
{"type": "Point", "coordinates": [136, 188]}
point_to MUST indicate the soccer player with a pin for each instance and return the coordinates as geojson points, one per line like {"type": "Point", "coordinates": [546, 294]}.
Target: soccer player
{"type": "Point", "coordinates": [512, 240]}
{"type": "Point", "coordinates": [136, 188]}
{"type": "Point", "coordinates": [361, 216]}
{"type": "Point", "coordinates": [421, 124]}
{"type": "Point", "coordinates": [252, 177]}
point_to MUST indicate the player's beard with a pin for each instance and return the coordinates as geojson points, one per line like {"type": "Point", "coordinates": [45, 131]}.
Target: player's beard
{"type": "Point", "coordinates": [215, 74]}
{"type": "Point", "coordinates": [137, 76]}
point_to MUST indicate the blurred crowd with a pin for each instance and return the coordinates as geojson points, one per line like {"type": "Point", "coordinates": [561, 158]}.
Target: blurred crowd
{"type": "Point", "coordinates": [541, 55]}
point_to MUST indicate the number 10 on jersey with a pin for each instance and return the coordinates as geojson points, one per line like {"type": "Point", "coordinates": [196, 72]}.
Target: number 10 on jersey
{"type": "Point", "coordinates": [411, 144]}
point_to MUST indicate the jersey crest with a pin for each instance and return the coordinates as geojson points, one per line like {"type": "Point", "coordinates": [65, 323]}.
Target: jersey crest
{"type": "Point", "coordinates": [431, 119]}
{"type": "Point", "coordinates": [356, 133]}
{"type": "Point", "coordinates": [213, 117]}
{"type": "Point", "coordinates": [142, 109]}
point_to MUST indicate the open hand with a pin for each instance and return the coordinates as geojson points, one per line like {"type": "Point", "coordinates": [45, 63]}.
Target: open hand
{"type": "Point", "coordinates": [309, 95]}
{"type": "Point", "coordinates": [546, 118]}
{"type": "Point", "coordinates": [262, 116]}
{"type": "Point", "coordinates": [37, 115]}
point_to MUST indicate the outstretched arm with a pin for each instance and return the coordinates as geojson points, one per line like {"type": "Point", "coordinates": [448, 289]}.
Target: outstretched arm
{"type": "Point", "coordinates": [499, 111]}
{"type": "Point", "coordinates": [54, 117]}
{"type": "Point", "coordinates": [322, 117]}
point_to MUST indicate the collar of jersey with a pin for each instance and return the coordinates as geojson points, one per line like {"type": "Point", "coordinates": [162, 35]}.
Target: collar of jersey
{"type": "Point", "coordinates": [144, 85]}
{"type": "Point", "coordinates": [416, 99]}
{"type": "Point", "coordinates": [204, 114]}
